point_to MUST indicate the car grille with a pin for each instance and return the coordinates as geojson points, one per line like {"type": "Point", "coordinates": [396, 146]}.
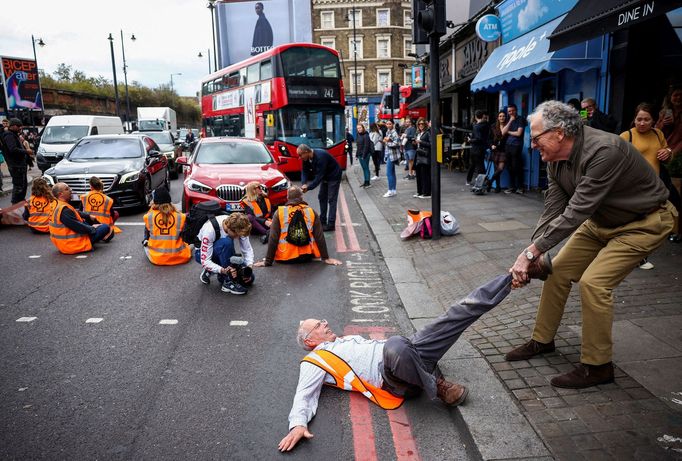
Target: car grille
{"type": "Point", "coordinates": [79, 183]}
{"type": "Point", "coordinates": [231, 193]}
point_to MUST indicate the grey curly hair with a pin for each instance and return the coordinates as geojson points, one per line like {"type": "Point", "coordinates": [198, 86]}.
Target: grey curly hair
{"type": "Point", "coordinates": [556, 114]}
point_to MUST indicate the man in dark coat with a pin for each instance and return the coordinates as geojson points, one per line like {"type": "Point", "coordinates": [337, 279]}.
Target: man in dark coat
{"type": "Point", "coordinates": [319, 168]}
{"type": "Point", "coordinates": [16, 157]}
{"type": "Point", "coordinates": [262, 33]}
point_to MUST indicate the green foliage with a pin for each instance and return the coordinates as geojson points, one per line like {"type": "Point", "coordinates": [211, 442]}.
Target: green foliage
{"type": "Point", "coordinates": [65, 78]}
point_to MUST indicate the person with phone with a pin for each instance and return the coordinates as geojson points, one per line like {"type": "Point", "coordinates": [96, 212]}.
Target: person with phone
{"type": "Point", "coordinates": [596, 118]}
{"type": "Point", "coordinates": [670, 123]}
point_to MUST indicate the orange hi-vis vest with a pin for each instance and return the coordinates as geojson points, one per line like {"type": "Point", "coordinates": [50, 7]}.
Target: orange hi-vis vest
{"type": "Point", "coordinates": [39, 212]}
{"type": "Point", "coordinates": [165, 247]}
{"type": "Point", "coordinates": [346, 379]}
{"type": "Point", "coordinates": [66, 240]}
{"type": "Point", "coordinates": [257, 212]}
{"type": "Point", "coordinates": [99, 205]}
{"type": "Point", "coordinates": [285, 250]}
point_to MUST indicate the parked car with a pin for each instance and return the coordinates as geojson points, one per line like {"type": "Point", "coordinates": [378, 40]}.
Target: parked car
{"type": "Point", "coordinates": [130, 166]}
{"type": "Point", "coordinates": [220, 168]}
{"type": "Point", "coordinates": [169, 147]}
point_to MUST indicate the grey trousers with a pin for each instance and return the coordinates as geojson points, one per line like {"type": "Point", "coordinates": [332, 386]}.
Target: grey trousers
{"type": "Point", "coordinates": [409, 363]}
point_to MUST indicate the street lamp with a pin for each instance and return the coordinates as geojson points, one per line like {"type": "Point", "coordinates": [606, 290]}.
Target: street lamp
{"type": "Point", "coordinates": [41, 43]}
{"type": "Point", "coordinates": [355, 58]}
{"type": "Point", "coordinates": [125, 74]}
{"type": "Point", "coordinates": [209, 58]}
{"type": "Point", "coordinates": [113, 67]}
{"type": "Point", "coordinates": [171, 75]}
{"type": "Point", "coordinates": [211, 7]}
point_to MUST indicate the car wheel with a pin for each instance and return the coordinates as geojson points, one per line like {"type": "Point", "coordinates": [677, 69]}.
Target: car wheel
{"type": "Point", "coordinates": [147, 199]}
{"type": "Point", "coordinates": [173, 171]}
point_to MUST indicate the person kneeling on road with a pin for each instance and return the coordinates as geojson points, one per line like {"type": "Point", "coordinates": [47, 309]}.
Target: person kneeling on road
{"type": "Point", "coordinates": [72, 231]}
{"type": "Point", "coordinates": [220, 238]}
{"type": "Point", "coordinates": [299, 233]}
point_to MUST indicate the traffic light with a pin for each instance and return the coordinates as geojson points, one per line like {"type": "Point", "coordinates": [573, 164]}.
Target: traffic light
{"type": "Point", "coordinates": [432, 18]}
{"type": "Point", "coordinates": [395, 96]}
{"type": "Point", "coordinates": [419, 35]}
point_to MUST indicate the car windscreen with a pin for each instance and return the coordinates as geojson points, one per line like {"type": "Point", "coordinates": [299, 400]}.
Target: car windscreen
{"type": "Point", "coordinates": [64, 134]}
{"type": "Point", "coordinates": [95, 149]}
{"type": "Point", "coordinates": [160, 137]}
{"type": "Point", "coordinates": [150, 125]}
{"type": "Point", "coordinates": [232, 153]}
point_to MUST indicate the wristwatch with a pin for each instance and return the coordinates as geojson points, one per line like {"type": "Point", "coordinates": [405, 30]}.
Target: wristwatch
{"type": "Point", "coordinates": [529, 255]}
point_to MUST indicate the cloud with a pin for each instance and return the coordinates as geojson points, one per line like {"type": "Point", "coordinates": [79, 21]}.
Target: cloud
{"type": "Point", "coordinates": [530, 15]}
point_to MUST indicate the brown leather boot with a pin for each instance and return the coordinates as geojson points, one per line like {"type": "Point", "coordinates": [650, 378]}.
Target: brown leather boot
{"type": "Point", "coordinates": [585, 376]}
{"type": "Point", "coordinates": [452, 394]}
{"type": "Point", "coordinates": [541, 268]}
{"type": "Point", "coordinates": [529, 350]}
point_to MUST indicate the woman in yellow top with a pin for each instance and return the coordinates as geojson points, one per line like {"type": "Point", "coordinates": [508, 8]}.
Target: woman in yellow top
{"type": "Point", "coordinates": [40, 206]}
{"type": "Point", "coordinates": [650, 142]}
{"type": "Point", "coordinates": [163, 225]}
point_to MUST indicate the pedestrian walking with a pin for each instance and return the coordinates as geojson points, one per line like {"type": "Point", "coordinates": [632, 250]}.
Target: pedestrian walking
{"type": "Point", "coordinates": [391, 157]}
{"type": "Point", "coordinates": [480, 141]}
{"type": "Point", "coordinates": [409, 149]}
{"type": "Point", "coordinates": [378, 154]}
{"type": "Point", "coordinates": [349, 144]}
{"type": "Point", "coordinates": [498, 148]}
{"type": "Point", "coordinates": [365, 149]}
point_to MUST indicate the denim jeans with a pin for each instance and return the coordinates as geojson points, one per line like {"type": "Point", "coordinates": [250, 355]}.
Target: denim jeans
{"type": "Point", "coordinates": [364, 162]}
{"type": "Point", "coordinates": [223, 250]}
{"type": "Point", "coordinates": [100, 232]}
{"type": "Point", "coordinates": [390, 174]}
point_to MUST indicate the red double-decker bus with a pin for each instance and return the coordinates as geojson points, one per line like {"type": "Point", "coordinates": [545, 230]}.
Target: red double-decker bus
{"type": "Point", "coordinates": [290, 95]}
{"type": "Point", "coordinates": [408, 95]}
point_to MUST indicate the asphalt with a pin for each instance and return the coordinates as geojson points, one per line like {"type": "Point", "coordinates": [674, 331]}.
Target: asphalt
{"type": "Point", "coordinates": [512, 412]}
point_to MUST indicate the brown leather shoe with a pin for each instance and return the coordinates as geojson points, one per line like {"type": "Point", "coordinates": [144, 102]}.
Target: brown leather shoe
{"type": "Point", "coordinates": [541, 268]}
{"type": "Point", "coordinates": [529, 350]}
{"type": "Point", "coordinates": [585, 376]}
{"type": "Point", "coordinates": [452, 394]}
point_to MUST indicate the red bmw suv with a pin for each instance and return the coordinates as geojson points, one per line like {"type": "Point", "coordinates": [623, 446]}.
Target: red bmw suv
{"type": "Point", "coordinates": [220, 168]}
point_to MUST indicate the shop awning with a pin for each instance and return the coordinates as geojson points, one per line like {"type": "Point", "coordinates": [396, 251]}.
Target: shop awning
{"type": "Point", "coordinates": [529, 54]}
{"type": "Point", "coordinates": [590, 18]}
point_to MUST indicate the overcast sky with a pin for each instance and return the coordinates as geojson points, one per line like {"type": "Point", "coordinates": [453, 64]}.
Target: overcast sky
{"type": "Point", "coordinates": [170, 34]}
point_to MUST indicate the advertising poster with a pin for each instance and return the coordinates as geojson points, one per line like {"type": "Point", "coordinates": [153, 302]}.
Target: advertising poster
{"type": "Point", "coordinates": [521, 16]}
{"type": "Point", "coordinates": [247, 28]}
{"type": "Point", "coordinates": [21, 84]}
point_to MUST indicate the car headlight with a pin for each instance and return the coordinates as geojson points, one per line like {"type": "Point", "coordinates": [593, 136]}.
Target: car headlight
{"type": "Point", "coordinates": [281, 185]}
{"type": "Point", "coordinates": [130, 177]}
{"type": "Point", "coordinates": [196, 186]}
{"type": "Point", "coordinates": [41, 150]}
{"type": "Point", "coordinates": [49, 179]}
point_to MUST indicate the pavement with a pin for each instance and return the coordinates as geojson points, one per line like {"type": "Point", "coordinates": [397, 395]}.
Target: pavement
{"type": "Point", "coordinates": [6, 179]}
{"type": "Point", "coordinates": [512, 411]}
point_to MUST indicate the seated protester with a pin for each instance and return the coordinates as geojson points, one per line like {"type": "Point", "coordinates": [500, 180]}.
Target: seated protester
{"type": "Point", "coordinates": [218, 254]}
{"type": "Point", "coordinates": [40, 207]}
{"type": "Point", "coordinates": [299, 232]}
{"type": "Point", "coordinates": [99, 205]}
{"type": "Point", "coordinates": [72, 231]}
{"type": "Point", "coordinates": [259, 210]}
{"type": "Point", "coordinates": [163, 226]}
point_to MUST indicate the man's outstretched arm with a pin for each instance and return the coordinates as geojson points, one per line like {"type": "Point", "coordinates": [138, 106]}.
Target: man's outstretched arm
{"type": "Point", "coordinates": [310, 381]}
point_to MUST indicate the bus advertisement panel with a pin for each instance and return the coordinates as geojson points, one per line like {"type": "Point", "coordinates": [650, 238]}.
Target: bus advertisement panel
{"type": "Point", "coordinates": [247, 28]}
{"type": "Point", "coordinates": [290, 95]}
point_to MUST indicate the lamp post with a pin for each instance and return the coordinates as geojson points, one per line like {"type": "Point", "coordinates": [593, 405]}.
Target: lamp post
{"type": "Point", "coordinates": [211, 7]}
{"type": "Point", "coordinates": [41, 43]}
{"type": "Point", "coordinates": [209, 58]}
{"type": "Point", "coordinates": [355, 61]}
{"type": "Point", "coordinates": [125, 75]}
{"type": "Point", "coordinates": [113, 68]}
{"type": "Point", "coordinates": [171, 75]}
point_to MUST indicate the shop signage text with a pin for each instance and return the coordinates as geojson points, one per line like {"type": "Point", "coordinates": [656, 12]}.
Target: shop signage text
{"type": "Point", "coordinates": [471, 56]}
{"type": "Point", "coordinates": [489, 28]}
{"type": "Point", "coordinates": [636, 13]}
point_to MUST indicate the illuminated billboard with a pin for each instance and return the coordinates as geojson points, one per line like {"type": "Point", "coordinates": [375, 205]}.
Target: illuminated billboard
{"type": "Point", "coordinates": [21, 84]}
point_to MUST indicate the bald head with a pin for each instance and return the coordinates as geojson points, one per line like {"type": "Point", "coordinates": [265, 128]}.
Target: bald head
{"type": "Point", "coordinates": [61, 191]}
{"type": "Point", "coordinates": [294, 193]}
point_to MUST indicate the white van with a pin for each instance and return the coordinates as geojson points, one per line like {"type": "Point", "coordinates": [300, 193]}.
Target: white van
{"type": "Point", "coordinates": [63, 131]}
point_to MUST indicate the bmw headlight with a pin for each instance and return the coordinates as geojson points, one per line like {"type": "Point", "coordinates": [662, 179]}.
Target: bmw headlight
{"type": "Point", "coordinates": [130, 177]}
{"type": "Point", "coordinates": [196, 186]}
{"type": "Point", "coordinates": [283, 184]}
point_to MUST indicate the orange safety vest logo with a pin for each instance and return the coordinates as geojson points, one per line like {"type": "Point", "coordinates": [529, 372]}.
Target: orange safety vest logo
{"type": "Point", "coordinates": [285, 250]}
{"type": "Point", "coordinates": [39, 212]}
{"type": "Point", "coordinates": [66, 240]}
{"type": "Point", "coordinates": [165, 246]}
{"type": "Point", "coordinates": [346, 379]}
{"type": "Point", "coordinates": [98, 205]}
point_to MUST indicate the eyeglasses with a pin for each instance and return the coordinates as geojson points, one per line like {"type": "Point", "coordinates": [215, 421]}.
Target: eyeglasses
{"type": "Point", "coordinates": [535, 139]}
{"type": "Point", "coordinates": [317, 325]}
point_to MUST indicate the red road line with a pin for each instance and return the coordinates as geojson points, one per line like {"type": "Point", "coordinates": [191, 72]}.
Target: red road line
{"type": "Point", "coordinates": [363, 433]}
{"type": "Point", "coordinates": [340, 242]}
{"type": "Point", "coordinates": [350, 230]}
{"type": "Point", "coordinates": [403, 441]}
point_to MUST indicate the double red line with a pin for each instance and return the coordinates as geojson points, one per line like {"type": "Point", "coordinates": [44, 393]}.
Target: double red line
{"type": "Point", "coordinates": [343, 220]}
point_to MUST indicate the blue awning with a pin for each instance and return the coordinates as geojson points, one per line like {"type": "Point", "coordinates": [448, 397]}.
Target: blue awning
{"type": "Point", "coordinates": [529, 54]}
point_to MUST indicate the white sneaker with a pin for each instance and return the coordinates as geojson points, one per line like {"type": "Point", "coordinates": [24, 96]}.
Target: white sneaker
{"type": "Point", "coordinates": [402, 162]}
{"type": "Point", "coordinates": [646, 265]}
{"type": "Point", "coordinates": [393, 193]}
{"type": "Point", "coordinates": [387, 194]}
{"type": "Point", "coordinates": [374, 178]}
{"type": "Point", "coordinates": [415, 195]}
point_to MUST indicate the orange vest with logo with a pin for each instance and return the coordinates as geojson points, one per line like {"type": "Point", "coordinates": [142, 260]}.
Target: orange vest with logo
{"type": "Point", "coordinates": [165, 247]}
{"type": "Point", "coordinates": [285, 250]}
{"type": "Point", "coordinates": [39, 212]}
{"type": "Point", "coordinates": [66, 240]}
{"type": "Point", "coordinates": [346, 379]}
{"type": "Point", "coordinates": [98, 205]}
{"type": "Point", "coordinates": [257, 212]}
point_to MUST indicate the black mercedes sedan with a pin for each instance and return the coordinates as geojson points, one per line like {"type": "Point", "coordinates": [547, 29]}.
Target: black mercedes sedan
{"type": "Point", "coordinates": [130, 166]}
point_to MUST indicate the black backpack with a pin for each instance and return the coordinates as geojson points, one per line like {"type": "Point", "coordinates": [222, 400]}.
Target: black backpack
{"type": "Point", "coordinates": [298, 230]}
{"type": "Point", "coordinates": [200, 213]}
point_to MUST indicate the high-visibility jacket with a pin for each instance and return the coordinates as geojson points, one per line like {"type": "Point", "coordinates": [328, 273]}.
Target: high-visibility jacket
{"type": "Point", "coordinates": [346, 379]}
{"type": "Point", "coordinates": [39, 212]}
{"type": "Point", "coordinates": [165, 247]}
{"type": "Point", "coordinates": [66, 240]}
{"type": "Point", "coordinates": [98, 205]}
{"type": "Point", "coordinates": [257, 211]}
{"type": "Point", "coordinates": [285, 250]}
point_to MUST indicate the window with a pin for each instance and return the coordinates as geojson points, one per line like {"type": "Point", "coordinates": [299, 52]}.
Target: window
{"type": "Point", "coordinates": [358, 18]}
{"type": "Point", "coordinates": [309, 62]}
{"type": "Point", "coordinates": [407, 78]}
{"type": "Point", "coordinates": [253, 73]}
{"type": "Point", "coordinates": [383, 79]}
{"type": "Point", "coordinates": [266, 70]}
{"type": "Point", "coordinates": [357, 81]}
{"type": "Point", "coordinates": [383, 47]}
{"type": "Point", "coordinates": [407, 47]}
{"type": "Point", "coordinates": [383, 17]}
{"type": "Point", "coordinates": [327, 19]}
{"type": "Point", "coordinates": [242, 76]}
{"type": "Point", "coordinates": [357, 48]}
{"type": "Point", "coordinates": [328, 41]}
{"type": "Point", "coordinates": [231, 80]}
{"type": "Point", "coordinates": [407, 18]}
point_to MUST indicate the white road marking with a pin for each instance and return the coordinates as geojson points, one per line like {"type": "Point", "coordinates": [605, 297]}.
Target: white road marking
{"type": "Point", "coordinates": [119, 223]}
{"type": "Point", "coordinates": [238, 323]}
{"type": "Point", "coordinates": [126, 257]}
{"type": "Point", "coordinates": [168, 322]}
{"type": "Point", "coordinates": [22, 389]}
{"type": "Point", "coordinates": [94, 320]}
{"type": "Point", "coordinates": [81, 256]}
{"type": "Point", "coordinates": [26, 319]}
{"type": "Point", "coordinates": [34, 257]}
